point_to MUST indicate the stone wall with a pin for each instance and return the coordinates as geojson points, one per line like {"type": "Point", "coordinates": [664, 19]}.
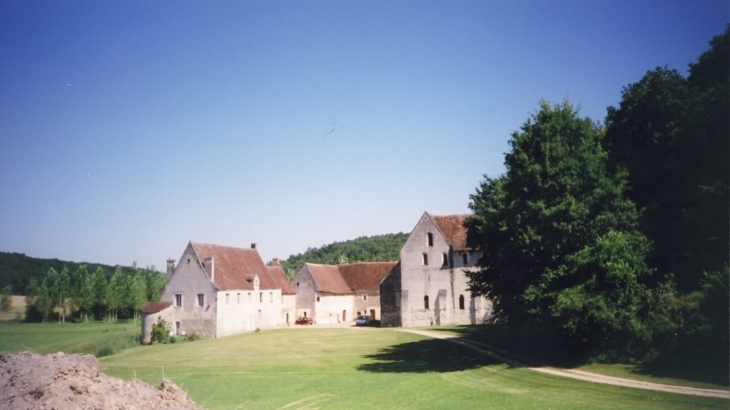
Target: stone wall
{"type": "Point", "coordinates": [189, 280]}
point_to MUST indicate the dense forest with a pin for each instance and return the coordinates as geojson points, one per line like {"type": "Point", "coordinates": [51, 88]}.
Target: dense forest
{"type": "Point", "coordinates": [17, 269]}
{"type": "Point", "coordinates": [615, 234]}
{"type": "Point", "coordinates": [376, 248]}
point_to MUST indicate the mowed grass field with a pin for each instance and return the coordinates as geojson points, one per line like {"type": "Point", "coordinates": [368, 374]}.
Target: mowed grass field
{"type": "Point", "coordinates": [366, 369]}
{"type": "Point", "coordinates": [98, 338]}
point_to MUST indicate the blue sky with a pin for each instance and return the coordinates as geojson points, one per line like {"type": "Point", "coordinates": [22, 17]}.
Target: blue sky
{"type": "Point", "coordinates": [129, 128]}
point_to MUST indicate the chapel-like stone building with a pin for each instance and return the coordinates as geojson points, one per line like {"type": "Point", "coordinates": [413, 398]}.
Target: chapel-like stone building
{"type": "Point", "coordinates": [429, 287]}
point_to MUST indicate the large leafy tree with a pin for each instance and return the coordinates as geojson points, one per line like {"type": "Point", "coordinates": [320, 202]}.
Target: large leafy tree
{"type": "Point", "coordinates": [672, 135]}
{"type": "Point", "coordinates": [559, 238]}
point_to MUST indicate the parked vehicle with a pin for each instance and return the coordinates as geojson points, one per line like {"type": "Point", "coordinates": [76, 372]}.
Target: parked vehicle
{"type": "Point", "coordinates": [362, 320]}
{"type": "Point", "coordinates": [304, 321]}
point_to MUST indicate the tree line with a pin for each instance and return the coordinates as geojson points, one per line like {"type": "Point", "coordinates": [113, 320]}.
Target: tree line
{"type": "Point", "coordinates": [65, 292]}
{"type": "Point", "coordinates": [16, 269]}
{"type": "Point", "coordinates": [378, 248]}
{"type": "Point", "coordinates": [615, 234]}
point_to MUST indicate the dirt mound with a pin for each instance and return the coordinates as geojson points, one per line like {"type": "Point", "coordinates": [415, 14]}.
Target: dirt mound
{"type": "Point", "coordinates": [60, 381]}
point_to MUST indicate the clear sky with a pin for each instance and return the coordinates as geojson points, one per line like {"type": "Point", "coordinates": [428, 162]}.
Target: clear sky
{"type": "Point", "coordinates": [129, 128]}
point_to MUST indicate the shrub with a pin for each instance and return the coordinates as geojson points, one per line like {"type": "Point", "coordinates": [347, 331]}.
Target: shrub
{"type": "Point", "coordinates": [160, 331]}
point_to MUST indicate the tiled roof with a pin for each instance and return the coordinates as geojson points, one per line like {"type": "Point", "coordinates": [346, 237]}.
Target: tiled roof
{"type": "Point", "coordinates": [233, 265]}
{"type": "Point", "coordinates": [277, 272]}
{"type": "Point", "coordinates": [365, 275]}
{"type": "Point", "coordinates": [154, 307]}
{"type": "Point", "coordinates": [327, 278]}
{"type": "Point", "coordinates": [452, 227]}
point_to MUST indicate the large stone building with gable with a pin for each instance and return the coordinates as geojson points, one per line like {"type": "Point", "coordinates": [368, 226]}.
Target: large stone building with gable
{"type": "Point", "coordinates": [339, 293]}
{"type": "Point", "coordinates": [429, 286]}
{"type": "Point", "coordinates": [220, 291]}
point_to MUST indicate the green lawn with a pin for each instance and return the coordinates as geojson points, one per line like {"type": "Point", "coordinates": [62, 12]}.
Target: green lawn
{"type": "Point", "coordinates": [366, 369]}
{"type": "Point", "coordinates": [98, 338]}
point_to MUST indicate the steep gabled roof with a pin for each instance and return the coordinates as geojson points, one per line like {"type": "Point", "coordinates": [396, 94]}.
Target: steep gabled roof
{"type": "Point", "coordinates": [233, 266]}
{"type": "Point", "coordinates": [327, 278]}
{"type": "Point", "coordinates": [277, 272]}
{"type": "Point", "coordinates": [452, 228]}
{"type": "Point", "coordinates": [365, 275]}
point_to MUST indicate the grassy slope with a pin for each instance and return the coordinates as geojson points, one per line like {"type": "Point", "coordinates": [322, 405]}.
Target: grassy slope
{"type": "Point", "coordinates": [44, 338]}
{"type": "Point", "coordinates": [370, 368]}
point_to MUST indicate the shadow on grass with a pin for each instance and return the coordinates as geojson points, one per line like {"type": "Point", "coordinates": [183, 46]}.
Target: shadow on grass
{"type": "Point", "coordinates": [423, 356]}
{"type": "Point", "coordinates": [690, 360]}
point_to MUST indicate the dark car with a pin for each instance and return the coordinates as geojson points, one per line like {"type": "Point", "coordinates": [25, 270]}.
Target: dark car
{"type": "Point", "coordinates": [304, 321]}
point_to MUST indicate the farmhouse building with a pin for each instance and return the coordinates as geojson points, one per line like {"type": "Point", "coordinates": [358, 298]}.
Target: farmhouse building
{"type": "Point", "coordinates": [220, 291]}
{"type": "Point", "coordinates": [429, 285]}
{"type": "Point", "coordinates": [338, 293]}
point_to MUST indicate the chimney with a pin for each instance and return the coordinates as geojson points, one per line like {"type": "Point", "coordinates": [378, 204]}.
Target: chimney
{"type": "Point", "coordinates": [253, 245]}
{"type": "Point", "coordinates": [275, 262]}
{"type": "Point", "coordinates": [170, 267]}
{"type": "Point", "coordinates": [209, 266]}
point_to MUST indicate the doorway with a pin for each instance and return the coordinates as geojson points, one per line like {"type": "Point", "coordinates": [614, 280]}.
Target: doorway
{"type": "Point", "coordinates": [372, 314]}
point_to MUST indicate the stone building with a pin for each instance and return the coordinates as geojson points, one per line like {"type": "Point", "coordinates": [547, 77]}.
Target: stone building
{"type": "Point", "coordinates": [220, 291]}
{"type": "Point", "coordinates": [288, 296]}
{"type": "Point", "coordinates": [339, 293]}
{"type": "Point", "coordinates": [429, 286]}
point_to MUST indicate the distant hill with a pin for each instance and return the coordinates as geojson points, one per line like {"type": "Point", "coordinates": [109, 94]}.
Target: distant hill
{"type": "Point", "coordinates": [376, 248]}
{"type": "Point", "coordinates": [16, 269]}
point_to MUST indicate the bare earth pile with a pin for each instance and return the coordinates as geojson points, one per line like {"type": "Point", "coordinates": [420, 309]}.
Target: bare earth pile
{"type": "Point", "coordinates": [60, 381]}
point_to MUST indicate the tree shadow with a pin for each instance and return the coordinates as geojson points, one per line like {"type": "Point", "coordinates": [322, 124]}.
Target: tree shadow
{"type": "Point", "coordinates": [423, 356]}
{"type": "Point", "coordinates": [691, 360]}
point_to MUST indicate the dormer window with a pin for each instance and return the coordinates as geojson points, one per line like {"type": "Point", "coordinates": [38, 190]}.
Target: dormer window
{"type": "Point", "coordinates": [429, 239]}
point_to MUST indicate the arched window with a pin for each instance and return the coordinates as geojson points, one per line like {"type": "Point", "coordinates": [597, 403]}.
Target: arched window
{"type": "Point", "coordinates": [425, 302]}
{"type": "Point", "coordinates": [461, 302]}
{"type": "Point", "coordinates": [425, 259]}
{"type": "Point", "coordinates": [429, 240]}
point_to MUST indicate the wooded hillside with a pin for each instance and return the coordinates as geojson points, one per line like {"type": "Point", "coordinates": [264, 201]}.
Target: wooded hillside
{"type": "Point", "coordinates": [16, 269]}
{"type": "Point", "coordinates": [376, 248]}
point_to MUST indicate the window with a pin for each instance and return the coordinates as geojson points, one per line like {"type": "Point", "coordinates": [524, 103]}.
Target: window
{"type": "Point", "coordinates": [429, 239]}
{"type": "Point", "coordinates": [465, 258]}
{"type": "Point", "coordinates": [364, 297]}
{"type": "Point", "coordinates": [249, 297]}
{"type": "Point", "coordinates": [425, 302]}
{"type": "Point", "coordinates": [271, 297]}
{"type": "Point", "coordinates": [178, 300]}
{"type": "Point", "coordinates": [317, 298]}
{"type": "Point", "coordinates": [201, 300]}
{"type": "Point", "coordinates": [261, 297]}
{"type": "Point", "coordinates": [445, 259]}
{"type": "Point", "coordinates": [461, 302]}
{"type": "Point", "coordinates": [425, 259]}
{"type": "Point", "coordinates": [238, 296]}
{"type": "Point", "coordinates": [226, 298]}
